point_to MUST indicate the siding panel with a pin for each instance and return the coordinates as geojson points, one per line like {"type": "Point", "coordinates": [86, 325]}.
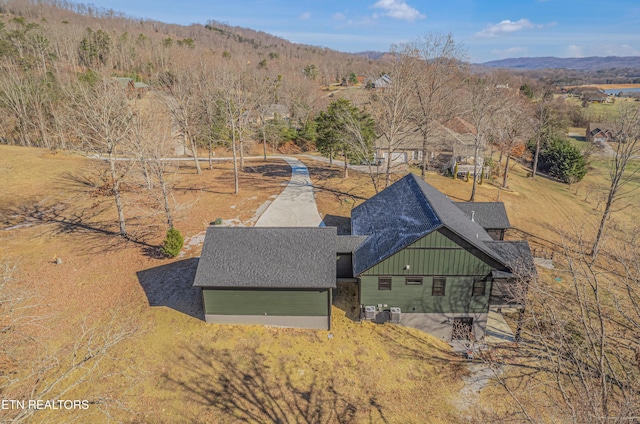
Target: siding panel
{"type": "Point", "coordinates": [418, 299]}
{"type": "Point", "coordinates": [265, 301]}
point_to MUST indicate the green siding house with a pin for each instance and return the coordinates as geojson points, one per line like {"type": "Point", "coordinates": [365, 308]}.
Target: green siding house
{"type": "Point", "coordinates": [416, 259]}
{"type": "Point", "coordinates": [271, 276]}
{"type": "Point", "coordinates": [427, 264]}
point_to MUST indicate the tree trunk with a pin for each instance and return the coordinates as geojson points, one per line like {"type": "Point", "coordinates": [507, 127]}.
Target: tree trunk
{"type": "Point", "coordinates": [264, 142]}
{"type": "Point", "coordinates": [210, 155]}
{"type": "Point", "coordinates": [235, 160]}
{"type": "Point", "coordinates": [116, 193]}
{"type": "Point", "coordinates": [534, 169]}
{"type": "Point", "coordinates": [165, 197]}
{"type": "Point", "coordinates": [241, 154]}
{"type": "Point", "coordinates": [506, 173]}
{"type": "Point", "coordinates": [602, 226]}
{"type": "Point", "coordinates": [387, 178]}
{"type": "Point", "coordinates": [330, 155]}
{"type": "Point", "coordinates": [346, 166]}
{"type": "Point", "coordinates": [194, 151]}
{"type": "Point", "coordinates": [475, 173]}
{"type": "Point", "coordinates": [423, 171]}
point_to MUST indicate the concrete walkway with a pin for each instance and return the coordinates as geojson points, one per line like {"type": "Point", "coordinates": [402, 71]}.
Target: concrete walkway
{"type": "Point", "coordinates": [296, 205]}
{"type": "Point", "coordinates": [498, 331]}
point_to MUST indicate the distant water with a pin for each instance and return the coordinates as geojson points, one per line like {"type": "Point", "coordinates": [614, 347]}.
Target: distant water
{"type": "Point", "coordinates": [624, 90]}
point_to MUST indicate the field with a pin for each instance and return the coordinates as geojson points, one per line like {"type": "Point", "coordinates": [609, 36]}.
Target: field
{"type": "Point", "coordinates": [172, 367]}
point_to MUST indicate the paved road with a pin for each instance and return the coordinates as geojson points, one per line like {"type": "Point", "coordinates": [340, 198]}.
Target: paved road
{"type": "Point", "coordinates": [336, 162]}
{"type": "Point", "coordinates": [296, 205]}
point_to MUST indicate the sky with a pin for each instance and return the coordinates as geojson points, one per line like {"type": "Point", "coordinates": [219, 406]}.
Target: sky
{"type": "Point", "coordinates": [487, 29]}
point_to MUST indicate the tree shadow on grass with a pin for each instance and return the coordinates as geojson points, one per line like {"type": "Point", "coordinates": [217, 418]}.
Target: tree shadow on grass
{"type": "Point", "coordinates": [240, 385]}
{"type": "Point", "coordinates": [269, 170]}
{"type": "Point", "coordinates": [171, 285]}
{"type": "Point", "coordinates": [98, 235]}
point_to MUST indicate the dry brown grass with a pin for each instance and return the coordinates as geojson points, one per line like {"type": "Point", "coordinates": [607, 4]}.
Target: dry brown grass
{"type": "Point", "coordinates": [176, 368]}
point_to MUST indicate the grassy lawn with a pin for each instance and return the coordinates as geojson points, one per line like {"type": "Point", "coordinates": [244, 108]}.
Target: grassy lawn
{"type": "Point", "coordinates": [174, 367]}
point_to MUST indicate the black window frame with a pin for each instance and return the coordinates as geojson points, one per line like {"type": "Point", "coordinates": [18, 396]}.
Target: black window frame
{"type": "Point", "coordinates": [418, 280]}
{"type": "Point", "coordinates": [440, 289]}
{"type": "Point", "coordinates": [476, 286]}
{"type": "Point", "coordinates": [384, 283]}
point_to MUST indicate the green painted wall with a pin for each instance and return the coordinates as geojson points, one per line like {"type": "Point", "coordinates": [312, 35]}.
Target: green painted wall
{"type": "Point", "coordinates": [270, 302]}
{"type": "Point", "coordinates": [433, 255]}
{"type": "Point", "coordinates": [418, 299]}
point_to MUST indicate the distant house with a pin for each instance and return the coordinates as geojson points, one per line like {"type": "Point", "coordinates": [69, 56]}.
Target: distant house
{"type": "Point", "coordinates": [270, 113]}
{"type": "Point", "coordinates": [382, 82]}
{"type": "Point", "coordinates": [133, 88]}
{"type": "Point", "coordinates": [448, 144]}
{"type": "Point", "coordinates": [413, 258]}
{"type": "Point", "coordinates": [595, 97]}
{"type": "Point", "coordinates": [598, 132]}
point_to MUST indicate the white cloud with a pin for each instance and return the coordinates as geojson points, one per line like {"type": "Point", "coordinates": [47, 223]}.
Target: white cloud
{"type": "Point", "coordinates": [574, 51]}
{"type": "Point", "coordinates": [510, 52]}
{"type": "Point", "coordinates": [506, 27]}
{"type": "Point", "coordinates": [615, 50]}
{"type": "Point", "coordinates": [339, 16]}
{"type": "Point", "coordinates": [305, 16]}
{"type": "Point", "coordinates": [399, 9]}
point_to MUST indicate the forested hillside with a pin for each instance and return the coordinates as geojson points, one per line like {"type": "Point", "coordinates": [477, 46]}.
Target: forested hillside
{"type": "Point", "coordinates": [47, 48]}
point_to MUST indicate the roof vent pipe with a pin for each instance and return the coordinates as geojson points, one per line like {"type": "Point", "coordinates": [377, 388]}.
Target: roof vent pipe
{"type": "Point", "coordinates": [473, 214]}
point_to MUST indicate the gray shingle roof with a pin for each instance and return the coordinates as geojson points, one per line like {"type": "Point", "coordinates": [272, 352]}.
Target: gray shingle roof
{"type": "Point", "coordinates": [517, 256]}
{"type": "Point", "coordinates": [402, 214]}
{"type": "Point", "coordinates": [490, 215]}
{"type": "Point", "coordinates": [348, 244]}
{"type": "Point", "coordinates": [264, 257]}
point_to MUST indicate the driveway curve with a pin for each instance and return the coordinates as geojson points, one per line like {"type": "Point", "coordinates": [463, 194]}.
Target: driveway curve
{"type": "Point", "coordinates": [296, 205]}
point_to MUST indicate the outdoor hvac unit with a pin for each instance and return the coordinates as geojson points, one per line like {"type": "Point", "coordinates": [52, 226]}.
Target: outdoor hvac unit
{"type": "Point", "coordinates": [395, 315]}
{"type": "Point", "coordinates": [369, 312]}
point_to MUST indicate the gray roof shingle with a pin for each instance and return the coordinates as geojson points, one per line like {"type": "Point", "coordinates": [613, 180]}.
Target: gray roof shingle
{"type": "Point", "coordinates": [264, 257]}
{"type": "Point", "coordinates": [348, 244]}
{"type": "Point", "coordinates": [490, 215]}
{"type": "Point", "coordinates": [402, 214]}
{"type": "Point", "coordinates": [517, 256]}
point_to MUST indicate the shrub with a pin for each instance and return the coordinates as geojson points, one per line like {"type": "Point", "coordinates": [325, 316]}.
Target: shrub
{"type": "Point", "coordinates": [173, 243]}
{"type": "Point", "coordinates": [562, 160]}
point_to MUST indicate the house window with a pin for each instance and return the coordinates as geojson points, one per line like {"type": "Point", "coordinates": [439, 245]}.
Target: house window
{"type": "Point", "coordinates": [384, 283]}
{"type": "Point", "coordinates": [438, 287]}
{"type": "Point", "coordinates": [479, 287]}
{"type": "Point", "coordinates": [414, 281]}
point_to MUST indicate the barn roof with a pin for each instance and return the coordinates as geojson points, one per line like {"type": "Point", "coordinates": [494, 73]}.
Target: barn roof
{"type": "Point", "coordinates": [264, 257]}
{"type": "Point", "coordinates": [405, 212]}
{"type": "Point", "coordinates": [490, 215]}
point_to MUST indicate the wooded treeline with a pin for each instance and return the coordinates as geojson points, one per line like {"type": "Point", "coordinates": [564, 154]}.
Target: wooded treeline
{"type": "Point", "coordinates": [47, 48]}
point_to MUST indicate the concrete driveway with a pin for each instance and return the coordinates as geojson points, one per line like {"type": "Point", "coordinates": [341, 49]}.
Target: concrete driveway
{"type": "Point", "coordinates": [296, 205]}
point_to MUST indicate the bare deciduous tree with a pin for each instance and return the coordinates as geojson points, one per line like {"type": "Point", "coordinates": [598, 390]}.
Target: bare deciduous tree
{"type": "Point", "coordinates": [482, 101]}
{"type": "Point", "coordinates": [181, 101]}
{"type": "Point", "coordinates": [511, 128]}
{"type": "Point", "coordinates": [391, 107]}
{"type": "Point", "coordinates": [437, 70]}
{"type": "Point", "coordinates": [626, 136]}
{"type": "Point", "coordinates": [579, 356]}
{"type": "Point", "coordinates": [101, 117]}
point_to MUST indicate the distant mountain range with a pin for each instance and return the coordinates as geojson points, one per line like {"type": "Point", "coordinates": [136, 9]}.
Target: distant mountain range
{"type": "Point", "coordinates": [580, 63]}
